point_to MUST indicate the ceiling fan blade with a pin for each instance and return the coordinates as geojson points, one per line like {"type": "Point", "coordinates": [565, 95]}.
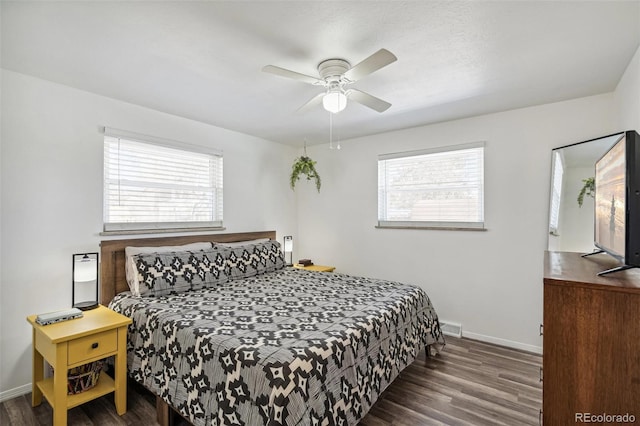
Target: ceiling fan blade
{"type": "Point", "coordinates": [272, 69]}
{"type": "Point", "coordinates": [313, 102]}
{"type": "Point", "coordinates": [368, 100]}
{"type": "Point", "coordinates": [380, 59]}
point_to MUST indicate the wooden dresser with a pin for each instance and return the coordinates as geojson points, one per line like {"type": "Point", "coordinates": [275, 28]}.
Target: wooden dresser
{"type": "Point", "coordinates": [591, 343]}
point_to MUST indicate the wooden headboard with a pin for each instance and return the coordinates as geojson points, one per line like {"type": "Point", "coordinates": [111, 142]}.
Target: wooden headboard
{"type": "Point", "coordinates": [112, 272]}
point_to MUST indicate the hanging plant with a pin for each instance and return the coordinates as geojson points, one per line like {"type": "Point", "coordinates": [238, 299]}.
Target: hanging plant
{"type": "Point", "coordinates": [588, 189]}
{"type": "Point", "coordinates": [304, 166]}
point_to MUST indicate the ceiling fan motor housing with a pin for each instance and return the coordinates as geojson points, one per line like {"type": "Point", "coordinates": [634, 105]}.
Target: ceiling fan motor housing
{"type": "Point", "coordinates": [332, 70]}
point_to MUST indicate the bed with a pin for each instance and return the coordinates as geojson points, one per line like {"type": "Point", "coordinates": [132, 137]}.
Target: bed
{"type": "Point", "coordinates": [262, 343]}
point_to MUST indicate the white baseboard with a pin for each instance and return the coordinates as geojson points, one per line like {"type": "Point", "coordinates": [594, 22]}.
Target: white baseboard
{"type": "Point", "coordinates": [503, 342]}
{"type": "Point", "coordinates": [12, 393]}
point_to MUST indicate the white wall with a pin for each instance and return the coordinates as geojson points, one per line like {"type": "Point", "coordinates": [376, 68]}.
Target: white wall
{"type": "Point", "coordinates": [490, 282]}
{"type": "Point", "coordinates": [576, 223]}
{"type": "Point", "coordinates": [1, 292]}
{"type": "Point", "coordinates": [52, 195]}
{"type": "Point", "coordinates": [627, 97]}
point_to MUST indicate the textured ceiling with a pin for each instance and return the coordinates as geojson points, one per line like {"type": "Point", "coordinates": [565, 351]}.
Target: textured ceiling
{"type": "Point", "coordinates": [203, 60]}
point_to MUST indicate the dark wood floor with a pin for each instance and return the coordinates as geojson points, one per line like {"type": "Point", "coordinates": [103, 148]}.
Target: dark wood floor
{"type": "Point", "coordinates": [469, 383]}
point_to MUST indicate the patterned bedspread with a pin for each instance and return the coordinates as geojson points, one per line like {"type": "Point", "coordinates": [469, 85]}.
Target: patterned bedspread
{"type": "Point", "coordinates": [289, 347]}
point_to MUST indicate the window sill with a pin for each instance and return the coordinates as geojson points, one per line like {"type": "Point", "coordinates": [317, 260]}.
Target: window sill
{"type": "Point", "coordinates": [432, 228]}
{"type": "Point", "coordinates": [161, 231]}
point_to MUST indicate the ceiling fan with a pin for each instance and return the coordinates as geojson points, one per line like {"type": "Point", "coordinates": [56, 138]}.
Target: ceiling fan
{"type": "Point", "coordinates": [335, 75]}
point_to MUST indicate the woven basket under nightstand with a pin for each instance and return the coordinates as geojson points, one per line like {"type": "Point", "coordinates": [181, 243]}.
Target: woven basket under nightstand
{"type": "Point", "coordinates": [84, 377]}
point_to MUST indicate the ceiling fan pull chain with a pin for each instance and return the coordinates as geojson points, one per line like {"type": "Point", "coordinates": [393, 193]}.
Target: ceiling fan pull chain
{"type": "Point", "coordinates": [338, 138]}
{"type": "Point", "coordinates": [330, 130]}
{"type": "Point", "coordinates": [331, 133]}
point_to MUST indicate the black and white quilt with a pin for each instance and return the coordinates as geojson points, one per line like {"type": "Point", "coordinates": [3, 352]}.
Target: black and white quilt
{"type": "Point", "coordinates": [288, 347]}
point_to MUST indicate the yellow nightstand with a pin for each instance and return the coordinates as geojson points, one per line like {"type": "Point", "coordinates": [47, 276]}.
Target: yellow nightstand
{"type": "Point", "coordinates": [99, 334]}
{"type": "Point", "coordinates": [317, 268]}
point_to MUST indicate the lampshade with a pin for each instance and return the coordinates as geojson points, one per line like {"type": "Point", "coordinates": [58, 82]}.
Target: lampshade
{"type": "Point", "coordinates": [334, 101]}
{"type": "Point", "coordinates": [288, 248]}
{"type": "Point", "coordinates": [288, 244]}
{"type": "Point", "coordinates": [85, 269]}
{"type": "Point", "coordinates": [84, 293]}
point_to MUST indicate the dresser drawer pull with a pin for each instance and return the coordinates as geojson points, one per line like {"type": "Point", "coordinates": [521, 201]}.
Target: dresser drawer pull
{"type": "Point", "coordinates": [541, 329]}
{"type": "Point", "coordinates": [94, 345]}
{"type": "Point", "coordinates": [540, 373]}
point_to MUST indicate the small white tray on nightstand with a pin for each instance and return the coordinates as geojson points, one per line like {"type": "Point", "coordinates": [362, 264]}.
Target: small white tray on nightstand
{"type": "Point", "coordinates": [57, 316]}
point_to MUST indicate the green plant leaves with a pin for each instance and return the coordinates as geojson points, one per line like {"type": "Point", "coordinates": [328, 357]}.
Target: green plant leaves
{"type": "Point", "coordinates": [304, 166]}
{"type": "Point", "coordinates": [588, 189]}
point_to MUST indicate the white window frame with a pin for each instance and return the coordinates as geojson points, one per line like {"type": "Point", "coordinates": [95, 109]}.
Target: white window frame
{"type": "Point", "coordinates": [216, 166]}
{"type": "Point", "coordinates": [474, 149]}
{"type": "Point", "coordinates": [557, 173]}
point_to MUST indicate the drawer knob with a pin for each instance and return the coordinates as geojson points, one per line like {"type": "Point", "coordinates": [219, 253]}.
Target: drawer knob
{"type": "Point", "coordinates": [94, 345]}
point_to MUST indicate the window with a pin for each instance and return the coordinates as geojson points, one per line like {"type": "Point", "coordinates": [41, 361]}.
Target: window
{"type": "Point", "coordinates": [435, 188]}
{"type": "Point", "coordinates": [556, 192]}
{"type": "Point", "coordinates": [154, 184]}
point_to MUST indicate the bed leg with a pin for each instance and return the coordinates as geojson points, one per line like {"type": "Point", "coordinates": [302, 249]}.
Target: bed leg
{"type": "Point", "coordinates": [164, 413]}
{"type": "Point", "coordinates": [427, 351]}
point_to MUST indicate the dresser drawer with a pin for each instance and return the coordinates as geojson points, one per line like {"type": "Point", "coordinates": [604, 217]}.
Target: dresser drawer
{"type": "Point", "coordinates": [90, 347]}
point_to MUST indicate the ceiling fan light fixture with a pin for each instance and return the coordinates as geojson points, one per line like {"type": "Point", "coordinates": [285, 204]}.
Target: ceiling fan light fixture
{"type": "Point", "coordinates": [334, 101]}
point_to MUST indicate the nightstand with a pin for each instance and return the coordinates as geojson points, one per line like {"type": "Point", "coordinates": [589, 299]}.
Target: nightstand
{"type": "Point", "coordinates": [99, 334]}
{"type": "Point", "coordinates": [316, 268]}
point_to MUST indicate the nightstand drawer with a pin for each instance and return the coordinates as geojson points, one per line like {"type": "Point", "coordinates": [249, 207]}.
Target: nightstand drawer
{"type": "Point", "coordinates": [89, 347]}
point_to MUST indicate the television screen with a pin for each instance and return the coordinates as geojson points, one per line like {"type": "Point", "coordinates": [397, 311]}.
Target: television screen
{"type": "Point", "coordinates": [610, 200]}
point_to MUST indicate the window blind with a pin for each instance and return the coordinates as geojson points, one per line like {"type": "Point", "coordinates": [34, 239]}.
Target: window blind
{"type": "Point", "coordinates": [556, 193]}
{"type": "Point", "coordinates": [156, 186]}
{"type": "Point", "coordinates": [442, 187]}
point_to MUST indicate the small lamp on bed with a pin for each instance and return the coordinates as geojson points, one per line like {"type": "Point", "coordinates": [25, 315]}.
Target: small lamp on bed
{"type": "Point", "coordinates": [288, 249]}
{"type": "Point", "coordinates": [85, 281]}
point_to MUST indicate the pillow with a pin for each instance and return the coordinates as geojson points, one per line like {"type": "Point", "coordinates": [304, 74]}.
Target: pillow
{"type": "Point", "coordinates": [247, 260]}
{"type": "Point", "coordinates": [160, 274]}
{"type": "Point", "coordinates": [243, 243]}
{"type": "Point", "coordinates": [130, 266]}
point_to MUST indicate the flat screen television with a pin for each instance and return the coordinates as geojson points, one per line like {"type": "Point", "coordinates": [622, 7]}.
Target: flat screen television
{"type": "Point", "coordinates": [617, 202]}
